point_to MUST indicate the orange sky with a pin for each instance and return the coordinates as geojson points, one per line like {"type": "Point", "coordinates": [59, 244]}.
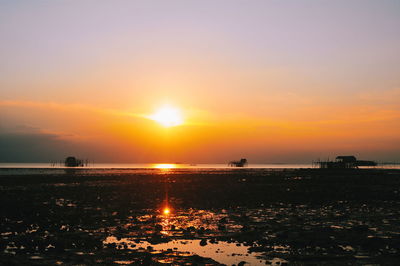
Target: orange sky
{"type": "Point", "coordinates": [126, 136]}
{"type": "Point", "coordinates": [272, 82]}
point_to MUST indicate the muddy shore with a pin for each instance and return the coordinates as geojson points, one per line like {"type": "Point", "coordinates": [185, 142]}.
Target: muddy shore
{"type": "Point", "coordinates": [114, 217]}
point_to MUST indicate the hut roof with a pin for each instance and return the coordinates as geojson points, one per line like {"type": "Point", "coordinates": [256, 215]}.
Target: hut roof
{"type": "Point", "coordinates": [349, 158]}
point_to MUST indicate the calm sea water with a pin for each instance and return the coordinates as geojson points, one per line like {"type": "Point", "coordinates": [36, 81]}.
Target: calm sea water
{"type": "Point", "coordinates": [114, 168]}
{"type": "Point", "coordinates": [150, 165]}
{"type": "Point", "coordinates": [107, 168]}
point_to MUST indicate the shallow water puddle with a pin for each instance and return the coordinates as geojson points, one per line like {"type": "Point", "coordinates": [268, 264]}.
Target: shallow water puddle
{"type": "Point", "coordinates": [222, 252]}
{"type": "Point", "coordinates": [124, 262]}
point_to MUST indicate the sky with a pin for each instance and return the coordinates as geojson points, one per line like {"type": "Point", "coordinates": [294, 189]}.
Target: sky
{"type": "Point", "coordinates": [270, 81]}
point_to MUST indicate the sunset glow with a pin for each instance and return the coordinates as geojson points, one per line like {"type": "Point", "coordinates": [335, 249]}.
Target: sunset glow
{"type": "Point", "coordinates": [178, 84]}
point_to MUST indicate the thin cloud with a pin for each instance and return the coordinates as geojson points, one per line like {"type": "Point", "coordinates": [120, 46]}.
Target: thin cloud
{"type": "Point", "coordinates": [65, 106]}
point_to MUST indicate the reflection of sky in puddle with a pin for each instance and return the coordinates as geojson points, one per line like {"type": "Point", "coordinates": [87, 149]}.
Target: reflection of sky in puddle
{"type": "Point", "coordinates": [124, 262]}
{"type": "Point", "coordinates": [222, 252]}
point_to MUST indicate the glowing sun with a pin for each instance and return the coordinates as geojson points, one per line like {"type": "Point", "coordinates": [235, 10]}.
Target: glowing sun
{"type": "Point", "coordinates": [167, 116]}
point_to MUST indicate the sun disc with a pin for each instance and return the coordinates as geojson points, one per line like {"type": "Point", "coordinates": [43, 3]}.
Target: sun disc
{"type": "Point", "coordinates": [168, 116]}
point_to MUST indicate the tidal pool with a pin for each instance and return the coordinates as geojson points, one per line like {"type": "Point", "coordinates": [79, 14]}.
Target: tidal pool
{"type": "Point", "coordinates": [221, 251]}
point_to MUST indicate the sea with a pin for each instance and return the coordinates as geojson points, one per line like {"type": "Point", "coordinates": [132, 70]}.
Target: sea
{"type": "Point", "coordinates": [151, 165]}
{"type": "Point", "coordinates": [104, 168]}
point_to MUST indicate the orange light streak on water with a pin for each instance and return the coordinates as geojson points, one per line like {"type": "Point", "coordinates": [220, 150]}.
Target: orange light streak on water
{"type": "Point", "coordinates": [164, 165]}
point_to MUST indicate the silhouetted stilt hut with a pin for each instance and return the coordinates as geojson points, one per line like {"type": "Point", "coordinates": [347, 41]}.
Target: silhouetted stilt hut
{"type": "Point", "coordinates": [73, 162]}
{"type": "Point", "coordinates": [241, 163]}
{"type": "Point", "coordinates": [345, 162]}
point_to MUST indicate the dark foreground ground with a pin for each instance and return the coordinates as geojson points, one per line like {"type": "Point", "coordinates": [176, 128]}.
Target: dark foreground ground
{"type": "Point", "coordinates": [294, 217]}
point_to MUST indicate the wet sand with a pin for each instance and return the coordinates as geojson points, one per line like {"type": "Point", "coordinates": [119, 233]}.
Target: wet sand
{"type": "Point", "coordinates": [258, 216]}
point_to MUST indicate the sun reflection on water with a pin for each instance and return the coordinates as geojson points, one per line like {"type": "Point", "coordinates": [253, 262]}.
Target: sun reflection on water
{"type": "Point", "coordinates": [174, 232]}
{"type": "Point", "coordinates": [166, 211]}
{"type": "Point", "coordinates": [164, 165]}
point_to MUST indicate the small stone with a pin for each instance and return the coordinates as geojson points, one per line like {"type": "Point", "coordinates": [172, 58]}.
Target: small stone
{"type": "Point", "coordinates": [203, 242]}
